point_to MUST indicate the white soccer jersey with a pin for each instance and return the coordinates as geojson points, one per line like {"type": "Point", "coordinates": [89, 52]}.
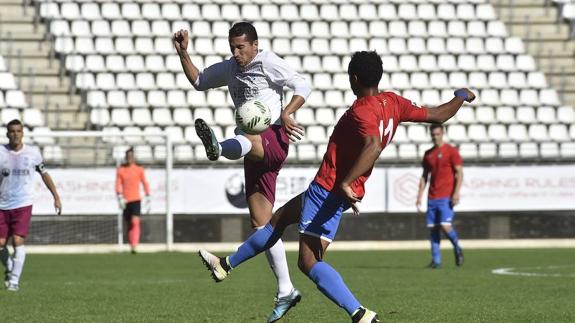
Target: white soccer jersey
{"type": "Point", "coordinates": [17, 170]}
{"type": "Point", "coordinates": [263, 79]}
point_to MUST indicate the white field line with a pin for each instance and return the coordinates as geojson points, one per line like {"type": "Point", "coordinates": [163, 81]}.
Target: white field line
{"type": "Point", "coordinates": [293, 246]}
{"type": "Point", "coordinates": [525, 271]}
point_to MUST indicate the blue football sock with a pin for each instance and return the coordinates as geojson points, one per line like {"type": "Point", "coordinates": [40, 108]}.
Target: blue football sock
{"type": "Point", "coordinates": [452, 235]}
{"type": "Point", "coordinates": [235, 148]}
{"type": "Point", "coordinates": [259, 241]}
{"type": "Point", "coordinates": [330, 283]}
{"type": "Point", "coordinates": [435, 238]}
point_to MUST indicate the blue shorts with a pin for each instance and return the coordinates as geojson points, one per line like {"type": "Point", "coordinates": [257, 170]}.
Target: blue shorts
{"type": "Point", "coordinates": [321, 212]}
{"type": "Point", "coordinates": [439, 211]}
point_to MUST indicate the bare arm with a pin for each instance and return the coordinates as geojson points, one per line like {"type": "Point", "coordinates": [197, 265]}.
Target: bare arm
{"type": "Point", "coordinates": [181, 40]}
{"type": "Point", "coordinates": [367, 157]}
{"type": "Point", "coordinates": [421, 188]}
{"type": "Point", "coordinates": [52, 188]}
{"type": "Point", "coordinates": [447, 110]}
{"type": "Point", "coordinates": [458, 181]}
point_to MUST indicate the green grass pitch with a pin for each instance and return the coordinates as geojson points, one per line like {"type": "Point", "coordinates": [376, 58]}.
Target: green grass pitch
{"type": "Point", "coordinates": [175, 287]}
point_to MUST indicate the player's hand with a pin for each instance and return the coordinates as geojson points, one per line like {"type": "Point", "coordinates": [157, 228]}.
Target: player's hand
{"type": "Point", "coordinates": [147, 204]}
{"type": "Point", "coordinates": [455, 199]}
{"type": "Point", "coordinates": [470, 95]}
{"type": "Point", "coordinates": [58, 206]}
{"type": "Point", "coordinates": [181, 40]}
{"type": "Point", "coordinates": [418, 205]}
{"type": "Point", "coordinates": [351, 197]}
{"type": "Point", "coordinates": [292, 129]}
{"type": "Point", "coordinates": [121, 202]}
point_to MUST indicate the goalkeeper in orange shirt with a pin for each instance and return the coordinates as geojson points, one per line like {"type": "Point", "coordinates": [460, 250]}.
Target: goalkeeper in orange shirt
{"type": "Point", "coordinates": [128, 178]}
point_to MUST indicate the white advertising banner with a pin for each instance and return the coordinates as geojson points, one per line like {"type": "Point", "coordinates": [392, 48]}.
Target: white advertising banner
{"type": "Point", "coordinates": [509, 188]}
{"type": "Point", "coordinates": [194, 191]}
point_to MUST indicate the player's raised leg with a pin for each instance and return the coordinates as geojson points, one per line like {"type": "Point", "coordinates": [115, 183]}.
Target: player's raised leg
{"type": "Point", "coordinates": [233, 148]}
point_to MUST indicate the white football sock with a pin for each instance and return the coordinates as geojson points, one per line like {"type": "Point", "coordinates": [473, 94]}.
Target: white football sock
{"type": "Point", "coordinates": [277, 259]}
{"type": "Point", "coordinates": [235, 148]}
{"type": "Point", "coordinates": [5, 258]}
{"type": "Point", "coordinates": [18, 258]}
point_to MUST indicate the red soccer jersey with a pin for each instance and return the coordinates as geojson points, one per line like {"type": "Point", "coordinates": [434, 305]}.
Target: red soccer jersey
{"type": "Point", "coordinates": [440, 162]}
{"type": "Point", "coordinates": [376, 115]}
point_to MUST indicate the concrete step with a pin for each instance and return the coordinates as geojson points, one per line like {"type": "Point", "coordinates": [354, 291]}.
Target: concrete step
{"type": "Point", "coordinates": [556, 61]}
{"type": "Point", "coordinates": [37, 83]}
{"type": "Point", "coordinates": [538, 31]}
{"type": "Point", "coordinates": [55, 99]}
{"type": "Point", "coordinates": [26, 48]}
{"type": "Point", "coordinates": [518, 3]}
{"type": "Point", "coordinates": [67, 121]}
{"type": "Point", "coordinates": [545, 48]}
{"type": "Point", "coordinates": [15, 9]}
{"type": "Point", "coordinates": [20, 27]}
{"type": "Point", "coordinates": [569, 99]}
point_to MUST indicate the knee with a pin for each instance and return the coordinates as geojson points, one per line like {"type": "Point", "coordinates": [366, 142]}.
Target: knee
{"type": "Point", "coordinates": [446, 228]}
{"type": "Point", "coordinates": [305, 264]}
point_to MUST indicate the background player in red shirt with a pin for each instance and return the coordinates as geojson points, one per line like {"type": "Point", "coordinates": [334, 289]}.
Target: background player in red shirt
{"type": "Point", "coordinates": [129, 176]}
{"type": "Point", "coordinates": [357, 140]}
{"type": "Point", "coordinates": [443, 166]}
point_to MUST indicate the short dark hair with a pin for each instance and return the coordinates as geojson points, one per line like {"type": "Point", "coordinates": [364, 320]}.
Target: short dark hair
{"type": "Point", "coordinates": [244, 28]}
{"type": "Point", "coordinates": [435, 126]}
{"type": "Point", "coordinates": [130, 150]}
{"type": "Point", "coordinates": [14, 123]}
{"type": "Point", "coordinates": [367, 66]}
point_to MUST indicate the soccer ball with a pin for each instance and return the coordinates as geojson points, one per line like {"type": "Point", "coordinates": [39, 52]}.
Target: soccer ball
{"type": "Point", "coordinates": [253, 117]}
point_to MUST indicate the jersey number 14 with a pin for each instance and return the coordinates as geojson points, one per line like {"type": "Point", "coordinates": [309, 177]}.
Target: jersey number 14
{"type": "Point", "coordinates": [388, 131]}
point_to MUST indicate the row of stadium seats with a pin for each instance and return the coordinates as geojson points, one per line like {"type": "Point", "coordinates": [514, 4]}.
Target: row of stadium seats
{"type": "Point", "coordinates": [458, 133]}
{"type": "Point", "coordinates": [155, 63]}
{"type": "Point", "coordinates": [268, 11]}
{"type": "Point", "coordinates": [326, 81]}
{"type": "Point", "coordinates": [294, 46]}
{"type": "Point", "coordinates": [308, 117]}
{"type": "Point", "coordinates": [330, 98]}
{"type": "Point", "coordinates": [298, 29]}
{"type": "Point", "coordinates": [31, 117]}
{"type": "Point", "coordinates": [312, 153]}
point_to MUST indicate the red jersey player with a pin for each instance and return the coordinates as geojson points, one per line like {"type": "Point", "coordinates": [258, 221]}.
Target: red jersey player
{"type": "Point", "coordinates": [443, 166]}
{"type": "Point", "coordinates": [357, 140]}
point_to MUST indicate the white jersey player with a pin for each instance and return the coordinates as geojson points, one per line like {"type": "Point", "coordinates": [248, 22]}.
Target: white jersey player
{"type": "Point", "coordinates": [252, 73]}
{"type": "Point", "coordinates": [18, 165]}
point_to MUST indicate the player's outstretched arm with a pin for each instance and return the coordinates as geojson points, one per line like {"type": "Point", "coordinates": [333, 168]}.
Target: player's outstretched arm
{"type": "Point", "coordinates": [364, 162]}
{"type": "Point", "coordinates": [181, 40]}
{"type": "Point", "coordinates": [52, 188]}
{"type": "Point", "coordinates": [447, 110]}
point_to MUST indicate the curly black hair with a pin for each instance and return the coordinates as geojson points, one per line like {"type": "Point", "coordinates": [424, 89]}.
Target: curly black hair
{"type": "Point", "coordinates": [367, 66]}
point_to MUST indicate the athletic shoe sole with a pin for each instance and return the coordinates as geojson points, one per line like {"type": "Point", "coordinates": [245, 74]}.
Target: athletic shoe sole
{"type": "Point", "coordinates": [210, 269]}
{"type": "Point", "coordinates": [292, 305]}
{"type": "Point", "coordinates": [208, 139]}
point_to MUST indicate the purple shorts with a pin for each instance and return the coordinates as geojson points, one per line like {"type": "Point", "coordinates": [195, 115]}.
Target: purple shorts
{"type": "Point", "coordinates": [15, 221]}
{"type": "Point", "coordinates": [261, 176]}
